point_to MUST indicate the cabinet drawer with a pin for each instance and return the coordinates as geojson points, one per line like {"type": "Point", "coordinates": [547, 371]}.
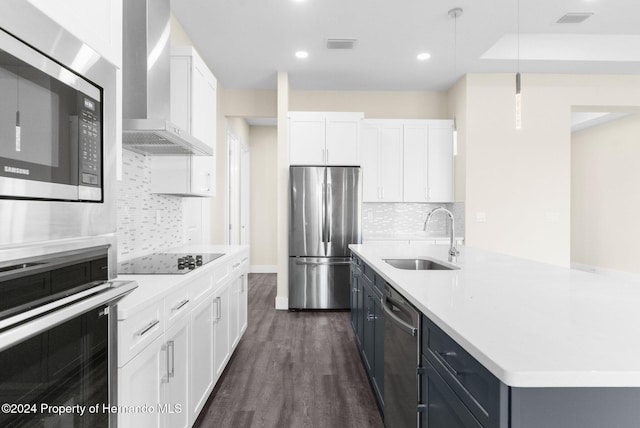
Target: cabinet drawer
{"type": "Point", "coordinates": [177, 304]}
{"type": "Point", "coordinates": [368, 272]}
{"type": "Point", "coordinates": [442, 407]}
{"type": "Point", "coordinates": [200, 287]}
{"type": "Point", "coordinates": [137, 331]}
{"type": "Point", "coordinates": [476, 387]}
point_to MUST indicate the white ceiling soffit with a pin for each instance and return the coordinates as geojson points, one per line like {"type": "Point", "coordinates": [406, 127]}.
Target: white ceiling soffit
{"type": "Point", "coordinates": [567, 47]}
{"type": "Point", "coordinates": [584, 120]}
{"type": "Point", "coordinates": [261, 121]}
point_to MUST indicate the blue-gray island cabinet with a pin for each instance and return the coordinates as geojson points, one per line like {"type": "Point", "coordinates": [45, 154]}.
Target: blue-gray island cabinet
{"type": "Point", "coordinates": [473, 372]}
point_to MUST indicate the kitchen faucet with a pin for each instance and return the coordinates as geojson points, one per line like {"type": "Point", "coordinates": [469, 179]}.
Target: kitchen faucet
{"type": "Point", "coordinates": [453, 251]}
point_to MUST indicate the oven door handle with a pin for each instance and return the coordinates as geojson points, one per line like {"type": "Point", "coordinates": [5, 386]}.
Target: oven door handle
{"type": "Point", "coordinates": [62, 312]}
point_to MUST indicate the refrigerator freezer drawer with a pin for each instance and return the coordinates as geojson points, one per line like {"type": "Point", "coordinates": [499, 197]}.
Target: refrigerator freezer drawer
{"type": "Point", "coordinates": [319, 282]}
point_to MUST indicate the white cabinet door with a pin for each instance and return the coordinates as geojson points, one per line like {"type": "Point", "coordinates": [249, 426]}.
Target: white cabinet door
{"type": "Point", "coordinates": [440, 170]}
{"type": "Point", "coordinates": [201, 355]}
{"type": "Point", "coordinates": [370, 161]}
{"type": "Point", "coordinates": [306, 139]}
{"type": "Point", "coordinates": [391, 159]}
{"type": "Point", "coordinates": [140, 384]}
{"type": "Point", "coordinates": [203, 118]}
{"type": "Point", "coordinates": [234, 312]}
{"type": "Point", "coordinates": [243, 301]}
{"type": "Point", "coordinates": [342, 139]}
{"type": "Point", "coordinates": [221, 329]}
{"type": "Point", "coordinates": [176, 387]}
{"type": "Point", "coordinates": [416, 147]}
{"type": "Point", "coordinates": [324, 138]}
{"type": "Point", "coordinates": [98, 23]}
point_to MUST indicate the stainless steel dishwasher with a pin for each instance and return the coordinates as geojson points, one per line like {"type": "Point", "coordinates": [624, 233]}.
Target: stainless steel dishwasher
{"type": "Point", "coordinates": [401, 360]}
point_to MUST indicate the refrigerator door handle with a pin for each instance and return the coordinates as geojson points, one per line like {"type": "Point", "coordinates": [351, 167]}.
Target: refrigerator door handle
{"type": "Point", "coordinates": [324, 211]}
{"type": "Point", "coordinates": [323, 263]}
{"type": "Point", "coordinates": [329, 210]}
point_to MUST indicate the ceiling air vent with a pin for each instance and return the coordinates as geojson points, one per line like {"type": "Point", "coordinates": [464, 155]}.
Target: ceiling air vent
{"type": "Point", "coordinates": [574, 17]}
{"type": "Point", "coordinates": [341, 43]}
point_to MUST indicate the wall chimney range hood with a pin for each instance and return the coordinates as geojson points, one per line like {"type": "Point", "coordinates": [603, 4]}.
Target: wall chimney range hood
{"type": "Point", "coordinates": [146, 127]}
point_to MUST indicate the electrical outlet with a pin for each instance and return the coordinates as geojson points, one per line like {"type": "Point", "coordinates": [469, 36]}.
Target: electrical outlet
{"type": "Point", "coordinates": [370, 215]}
{"type": "Point", "coordinates": [158, 217]}
{"type": "Point", "coordinates": [481, 217]}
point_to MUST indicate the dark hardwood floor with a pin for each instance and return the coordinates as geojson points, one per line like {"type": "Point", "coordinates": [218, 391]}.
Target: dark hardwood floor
{"type": "Point", "coordinates": [292, 369]}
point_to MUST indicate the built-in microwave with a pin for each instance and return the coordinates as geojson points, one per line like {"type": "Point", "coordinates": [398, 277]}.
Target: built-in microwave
{"type": "Point", "coordinates": [51, 133]}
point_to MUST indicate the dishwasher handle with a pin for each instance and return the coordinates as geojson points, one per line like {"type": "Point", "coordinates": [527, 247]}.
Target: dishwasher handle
{"type": "Point", "coordinates": [407, 328]}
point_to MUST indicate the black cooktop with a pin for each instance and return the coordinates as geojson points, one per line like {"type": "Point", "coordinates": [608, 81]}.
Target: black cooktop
{"type": "Point", "coordinates": [165, 263]}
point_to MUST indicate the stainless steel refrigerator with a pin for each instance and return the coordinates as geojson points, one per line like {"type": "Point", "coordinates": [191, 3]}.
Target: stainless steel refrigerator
{"type": "Point", "coordinates": [325, 206]}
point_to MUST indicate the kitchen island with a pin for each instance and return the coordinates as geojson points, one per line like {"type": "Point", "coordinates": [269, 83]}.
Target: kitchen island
{"type": "Point", "coordinates": [562, 341]}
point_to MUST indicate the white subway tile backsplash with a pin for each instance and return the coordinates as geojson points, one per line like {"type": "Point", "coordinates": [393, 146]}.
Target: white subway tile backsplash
{"type": "Point", "coordinates": [139, 231]}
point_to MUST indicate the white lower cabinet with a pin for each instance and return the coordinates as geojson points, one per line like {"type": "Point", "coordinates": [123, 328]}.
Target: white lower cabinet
{"type": "Point", "coordinates": [175, 381]}
{"type": "Point", "coordinates": [174, 351]}
{"type": "Point", "coordinates": [221, 342]}
{"type": "Point", "coordinates": [201, 357]}
{"type": "Point", "coordinates": [139, 386]}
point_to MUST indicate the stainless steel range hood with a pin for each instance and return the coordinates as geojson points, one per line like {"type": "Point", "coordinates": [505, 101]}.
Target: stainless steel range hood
{"type": "Point", "coordinates": [147, 127]}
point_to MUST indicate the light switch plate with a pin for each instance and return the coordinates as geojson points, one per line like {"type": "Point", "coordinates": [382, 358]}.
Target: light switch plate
{"type": "Point", "coordinates": [481, 217]}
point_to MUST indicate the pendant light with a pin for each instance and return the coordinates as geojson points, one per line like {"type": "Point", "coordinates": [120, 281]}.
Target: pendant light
{"type": "Point", "coordinates": [455, 13]}
{"type": "Point", "coordinates": [518, 79]}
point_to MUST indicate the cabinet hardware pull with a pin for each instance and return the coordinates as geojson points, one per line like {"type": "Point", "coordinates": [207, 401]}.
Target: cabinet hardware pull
{"type": "Point", "coordinates": [235, 265]}
{"type": "Point", "coordinates": [180, 305]}
{"type": "Point", "coordinates": [447, 364]}
{"type": "Point", "coordinates": [146, 329]}
{"type": "Point", "coordinates": [219, 307]}
{"type": "Point", "coordinates": [171, 368]}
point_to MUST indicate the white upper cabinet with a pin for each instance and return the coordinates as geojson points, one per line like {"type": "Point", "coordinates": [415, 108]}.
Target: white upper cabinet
{"type": "Point", "coordinates": [193, 94]}
{"type": "Point", "coordinates": [440, 167]}
{"type": "Point", "coordinates": [97, 23]}
{"type": "Point", "coordinates": [324, 138]}
{"type": "Point", "coordinates": [428, 161]}
{"type": "Point", "coordinates": [193, 108]}
{"type": "Point", "coordinates": [382, 147]}
{"type": "Point", "coordinates": [407, 160]}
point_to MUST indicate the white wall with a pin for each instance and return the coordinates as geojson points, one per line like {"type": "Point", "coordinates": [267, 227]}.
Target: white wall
{"type": "Point", "coordinates": [605, 202]}
{"type": "Point", "coordinates": [263, 143]}
{"type": "Point", "coordinates": [521, 180]}
{"type": "Point", "coordinates": [375, 104]}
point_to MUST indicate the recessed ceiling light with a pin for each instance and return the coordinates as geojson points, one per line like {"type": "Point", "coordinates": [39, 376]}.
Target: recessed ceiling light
{"type": "Point", "coordinates": [423, 56]}
{"type": "Point", "coordinates": [302, 54]}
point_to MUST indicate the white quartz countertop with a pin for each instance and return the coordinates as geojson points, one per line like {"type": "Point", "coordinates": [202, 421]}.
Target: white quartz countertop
{"type": "Point", "coordinates": [530, 324]}
{"type": "Point", "coordinates": [154, 287]}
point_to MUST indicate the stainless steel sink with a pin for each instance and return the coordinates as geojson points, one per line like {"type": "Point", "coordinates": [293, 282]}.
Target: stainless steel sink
{"type": "Point", "coordinates": [419, 264]}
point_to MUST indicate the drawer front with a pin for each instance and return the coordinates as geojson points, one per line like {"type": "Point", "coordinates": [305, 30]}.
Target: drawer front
{"type": "Point", "coordinates": [177, 304]}
{"type": "Point", "coordinates": [139, 330]}
{"type": "Point", "coordinates": [476, 387]}
{"type": "Point", "coordinates": [368, 272]}
{"type": "Point", "coordinates": [200, 288]}
{"type": "Point", "coordinates": [221, 274]}
{"type": "Point", "coordinates": [379, 282]}
{"type": "Point", "coordinates": [441, 406]}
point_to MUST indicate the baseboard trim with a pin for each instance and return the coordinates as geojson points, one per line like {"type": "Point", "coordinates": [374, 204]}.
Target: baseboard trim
{"type": "Point", "coordinates": [616, 274]}
{"type": "Point", "coordinates": [282, 303]}
{"type": "Point", "coordinates": [263, 269]}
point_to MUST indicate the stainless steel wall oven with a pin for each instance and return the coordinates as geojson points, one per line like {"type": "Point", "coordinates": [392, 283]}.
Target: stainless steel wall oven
{"type": "Point", "coordinates": [57, 340]}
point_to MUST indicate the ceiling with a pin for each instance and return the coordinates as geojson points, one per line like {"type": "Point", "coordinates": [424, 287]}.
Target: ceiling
{"type": "Point", "coordinates": [246, 42]}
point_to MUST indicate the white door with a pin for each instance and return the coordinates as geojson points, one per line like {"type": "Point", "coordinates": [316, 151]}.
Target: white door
{"type": "Point", "coordinates": [233, 189]}
{"type": "Point", "coordinates": [176, 410]}
{"type": "Point", "coordinates": [245, 194]}
{"type": "Point", "coordinates": [201, 355]}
